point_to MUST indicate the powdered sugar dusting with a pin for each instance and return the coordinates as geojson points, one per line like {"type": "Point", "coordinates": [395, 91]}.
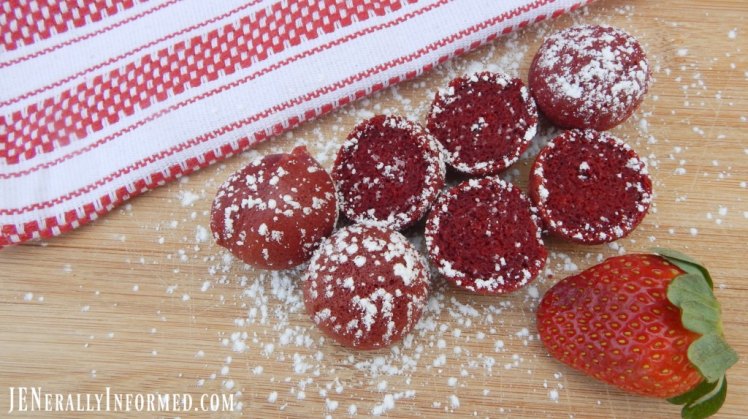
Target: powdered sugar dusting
{"type": "Point", "coordinates": [496, 203]}
{"type": "Point", "coordinates": [370, 185]}
{"type": "Point", "coordinates": [627, 201]}
{"type": "Point", "coordinates": [590, 76]}
{"type": "Point", "coordinates": [499, 131]}
{"type": "Point", "coordinates": [273, 212]}
{"type": "Point", "coordinates": [366, 299]}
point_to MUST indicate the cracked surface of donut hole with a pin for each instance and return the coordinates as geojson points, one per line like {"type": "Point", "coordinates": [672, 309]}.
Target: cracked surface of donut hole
{"type": "Point", "coordinates": [273, 212]}
{"type": "Point", "coordinates": [484, 121]}
{"type": "Point", "coordinates": [366, 286]}
{"type": "Point", "coordinates": [388, 171]}
{"type": "Point", "coordinates": [590, 187]}
{"type": "Point", "coordinates": [483, 236]}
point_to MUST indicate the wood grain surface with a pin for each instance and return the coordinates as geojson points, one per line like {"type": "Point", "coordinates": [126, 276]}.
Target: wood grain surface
{"type": "Point", "coordinates": [138, 302]}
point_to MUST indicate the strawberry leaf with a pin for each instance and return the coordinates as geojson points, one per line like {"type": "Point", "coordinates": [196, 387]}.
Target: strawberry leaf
{"type": "Point", "coordinates": [712, 356]}
{"type": "Point", "coordinates": [707, 404]}
{"type": "Point", "coordinates": [703, 401]}
{"type": "Point", "coordinates": [703, 388]}
{"type": "Point", "coordinates": [701, 316]}
{"type": "Point", "coordinates": [699, 308]}
{"type": "Point", "coordinates": [710, 353]}
{"type": "Point", "coordinates": [700, 313]}
{"type": "Point", "coordinates": [685, 262]}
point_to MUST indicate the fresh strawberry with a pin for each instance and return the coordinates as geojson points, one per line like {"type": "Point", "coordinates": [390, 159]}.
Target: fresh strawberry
{"type": "Point", "coordinates": [647, 323]}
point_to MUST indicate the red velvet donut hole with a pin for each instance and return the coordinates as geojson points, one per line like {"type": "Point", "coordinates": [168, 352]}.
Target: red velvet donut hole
{"type": "Point", "coordinates": [483, 236]}
{"type": "Point", "coordinates": [590, 187]}
{"type": "Point", "coordinates": [589, 77]}
{"type": "Point", "coordinates": [366, 286]}
{"type": "Point", "coordinates": [273, 213]}
{"type": "Point", "coordinates": [484, 121]}
{"type": "Point", "coordinates": [388, 172]}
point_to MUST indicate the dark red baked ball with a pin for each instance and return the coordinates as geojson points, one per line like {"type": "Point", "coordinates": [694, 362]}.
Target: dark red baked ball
{"type": "Point", "coordinates": [589, 77]}
{"type": "Point", "coordinates": [388, 172]}
{"type": "Point", "coordinates": [483, 236]}
{"type": "Point", "coordinates": [590, 187]}
{"type": "Point", "coordinates": [366, 286]}
{"type": "Point", "coordinates": [484, 121]}
{"type": "Point", "coordinates": [273, 213]}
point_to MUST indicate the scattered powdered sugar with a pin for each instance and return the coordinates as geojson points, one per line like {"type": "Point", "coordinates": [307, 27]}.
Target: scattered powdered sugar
{"type": "Point", "coordinates": [202, 234]}
{"type": "Point", "coordinates": [388, 403]}
{"type": "Point", "coordinates": [454, 401]}
{"type": "Point", "coordinates": [188, 198]}
{"type": "Point", "coordinates": [553, 395]}
{"type": "Point", "coordinates": [275, 325]}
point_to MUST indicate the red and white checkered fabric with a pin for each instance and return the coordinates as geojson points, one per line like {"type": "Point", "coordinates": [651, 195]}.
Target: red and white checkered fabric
{"type": "Point", "coordinates": [102, 100]}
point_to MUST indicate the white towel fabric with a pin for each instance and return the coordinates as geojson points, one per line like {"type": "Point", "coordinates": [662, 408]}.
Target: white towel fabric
{"type": "Point", "coordinates": [105, 99]}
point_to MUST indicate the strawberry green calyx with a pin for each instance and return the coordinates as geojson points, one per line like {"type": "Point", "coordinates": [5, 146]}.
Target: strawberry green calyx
{"type": "Point", "coordinates": [685, 262]}
{"type": "Point", "coordinates": [704, 400]}
{"type": "Point", "coordinates": [692, 293]}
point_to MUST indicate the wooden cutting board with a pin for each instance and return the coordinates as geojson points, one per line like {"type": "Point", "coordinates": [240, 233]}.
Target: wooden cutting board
{"type": "Point", "coordinates": [141, 302]}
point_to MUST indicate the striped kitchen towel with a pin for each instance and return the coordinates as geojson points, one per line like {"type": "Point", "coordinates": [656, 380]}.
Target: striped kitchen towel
{"type": "Point", "coordinates": [102, 100]}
